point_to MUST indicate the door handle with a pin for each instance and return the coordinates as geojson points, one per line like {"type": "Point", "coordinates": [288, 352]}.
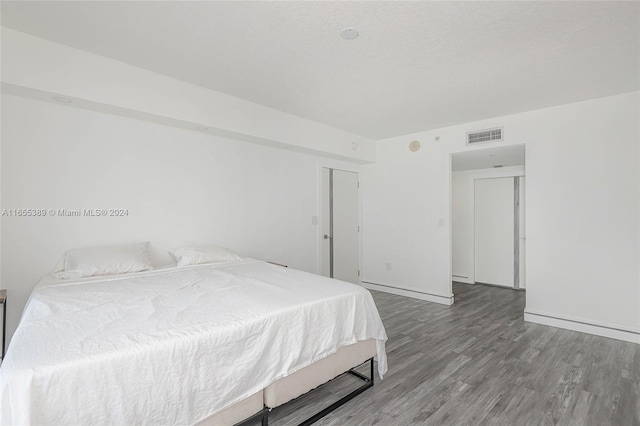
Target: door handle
{"type": "Point", "coordinates": [327, 237]}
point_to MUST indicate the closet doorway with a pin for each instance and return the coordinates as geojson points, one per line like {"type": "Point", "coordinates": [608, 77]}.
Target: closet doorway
{"type": "Point", "coordinates": [488, 193]}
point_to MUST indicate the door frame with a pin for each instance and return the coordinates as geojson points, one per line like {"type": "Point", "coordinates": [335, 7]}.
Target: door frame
{"type": "Point", "coordinates": [347, 167]}
{"type": "Point", "coordinates": [481, 173]}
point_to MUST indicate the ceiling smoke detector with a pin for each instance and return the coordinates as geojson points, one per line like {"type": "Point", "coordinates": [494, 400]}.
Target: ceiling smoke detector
{"type": "Point", "coordinates": [349, 33]}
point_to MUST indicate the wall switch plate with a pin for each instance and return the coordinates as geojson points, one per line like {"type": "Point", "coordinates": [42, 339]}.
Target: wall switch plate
{"type": "Point", "coordinates": [314, 220]}
{"type": "Point", "coordinates": [388, 266]}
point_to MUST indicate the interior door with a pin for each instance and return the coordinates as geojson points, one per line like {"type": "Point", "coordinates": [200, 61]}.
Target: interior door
{"type": "Point", "coordinates": [327, 242]}
{"type": "Point", "coordinates": [341, 243]}
{"type": "Point", "coordinates": [522, 235]}
{"type": "Point", "coordinates": [494, 231]}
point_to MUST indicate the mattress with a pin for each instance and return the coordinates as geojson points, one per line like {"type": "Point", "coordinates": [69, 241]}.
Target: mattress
{"type": "Point", "coordinates": [174, 346]}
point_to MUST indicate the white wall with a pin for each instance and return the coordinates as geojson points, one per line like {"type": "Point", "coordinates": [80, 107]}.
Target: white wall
{"type": "Point", "coordinates": [583, 211]}
{"type": "Point", "coordinates": [406, 218]}
{"type": "Point", "coordinates": [179, 186]}
{"type": "Point", "coordinates": [462, 217]}
{"type": "Point", "coordinates": [461, 228]}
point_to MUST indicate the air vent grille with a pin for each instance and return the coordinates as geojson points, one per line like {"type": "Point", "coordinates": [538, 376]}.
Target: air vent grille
{"type": "Point", "coordinates": [489, 135]}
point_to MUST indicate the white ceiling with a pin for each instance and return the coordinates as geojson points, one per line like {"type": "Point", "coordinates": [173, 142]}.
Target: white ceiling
{"type": "Point", "coordinates": [505, 156]}
{"type": "Point", "coordinates": [416, 65]}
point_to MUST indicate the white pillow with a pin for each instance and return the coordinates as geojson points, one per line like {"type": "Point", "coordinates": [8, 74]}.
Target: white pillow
{"type": "Point", "coordinates": [197, 254]}
{"type": "Point", "coordinates": [106, 260]}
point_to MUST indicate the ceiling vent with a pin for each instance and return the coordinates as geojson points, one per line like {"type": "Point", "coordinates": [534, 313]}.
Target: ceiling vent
{"type": "Point", "coordinates": [483, 136]}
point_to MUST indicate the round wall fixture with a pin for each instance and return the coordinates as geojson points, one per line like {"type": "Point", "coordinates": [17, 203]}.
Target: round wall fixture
{"type": "Point", "coordinates": [349, 33]}
{"type": "Point", "coordinates": [414, 146]}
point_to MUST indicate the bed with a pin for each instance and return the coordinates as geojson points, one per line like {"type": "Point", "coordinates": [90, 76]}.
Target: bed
{"type": "Point", "coordinates": [208, 344]}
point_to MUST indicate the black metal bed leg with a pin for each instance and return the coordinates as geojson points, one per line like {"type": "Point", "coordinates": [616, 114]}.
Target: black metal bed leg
{"type": "Point", "coordinates": [372, 374]}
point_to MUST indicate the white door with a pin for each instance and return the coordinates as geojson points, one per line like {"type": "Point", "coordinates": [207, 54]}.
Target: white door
{"type": "Point", "coordinates": [522, 236]}
{"type": "Point", "coordinates": [326, 222]}
{"type": "Point", "coordinates": [341, 246]}
{"type": "Point", "coordinates": [494, 231]}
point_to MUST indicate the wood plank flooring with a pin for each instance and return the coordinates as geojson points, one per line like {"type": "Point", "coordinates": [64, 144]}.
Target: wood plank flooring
{"type": "Point", "coordinates": [478, 363]}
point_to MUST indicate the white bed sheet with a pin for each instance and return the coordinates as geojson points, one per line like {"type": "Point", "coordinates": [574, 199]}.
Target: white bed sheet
{"type": "Point", "coordinates": [174, 346]}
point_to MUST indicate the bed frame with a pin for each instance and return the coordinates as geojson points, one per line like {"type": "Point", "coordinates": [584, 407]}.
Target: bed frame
{"type": "Point", "coordinates": [368, 382]}
{"type": "Point", "coordinates": [288, 388]}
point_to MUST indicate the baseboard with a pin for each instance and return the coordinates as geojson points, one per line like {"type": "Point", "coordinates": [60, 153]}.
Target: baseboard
{"type": "Point", "coordinates": [429, 297]}
{"type": "Point", "coordinates": [582, 326]}
{"type": "Point", "coordinates": [460, 279]}
{"type": "Point", "coordinates": [500, 286]}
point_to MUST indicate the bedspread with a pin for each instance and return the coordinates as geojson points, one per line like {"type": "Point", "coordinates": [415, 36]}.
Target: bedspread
{"type": "Point", "coordinates": [174, 346]}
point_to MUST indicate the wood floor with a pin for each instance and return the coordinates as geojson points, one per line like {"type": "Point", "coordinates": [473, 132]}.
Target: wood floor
{"type": "Point", "coordinates": [478, 363]}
